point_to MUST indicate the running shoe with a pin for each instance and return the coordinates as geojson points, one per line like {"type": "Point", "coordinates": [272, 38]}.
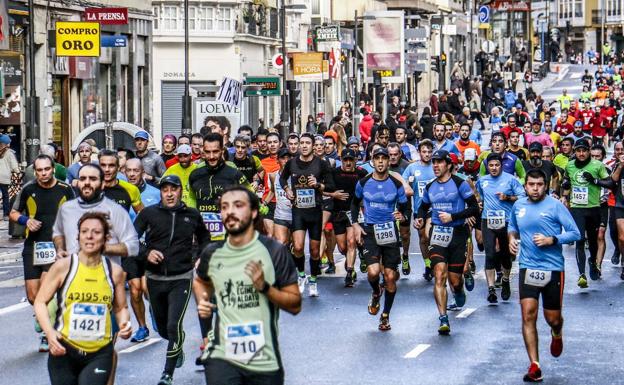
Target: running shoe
{"type": "Point", "coordinates": [505, 289]}
{"type": "Point", "coordinates": [142, 334]}
{"type": "Point", "coordinates": [43, 345]}
{"type": "Point", "coordinates": [473, 267]}
{"type": "Point", "coordinates": [405, 265]}
{"type": "Point", "coordinates": [582, 282]}
{"type": "Point", "coordinates": [354, 275]}
{"type": "Point", "coordinates": [373, 304]}
{"type": "Point", "coordinates": [499, 279]}
{"type": "Point", "coordinates": [313, 289]}
{"type": "Point", "coordinates": [428, 274]}
{"type": "Point", "coordinates": [615, 258]}
{"type": "Point", "coordinates": [593, 271]}
{"type": "Point", "coordinates": [38, 327]}
{"type": "Point", "coordinates": [384, 322]}
{"type": "Point", "coordinates": [324, 261]}
{"type": "Point", "coordinates": [166, 379]}
{"type": "Point", "coordinates": [556, 344]}
{"type": "Point", "coordinates": [445, 326]}
{"type": "Point", "coordinates": [331, 269]}
{"type": "Point", "coordinates": [348, 282]}
{"type": "Point", "coordinates": [534, 373]}
{"type": "Point", "coordinates": [362, 265]}
{"type": "Point", "coordinates": [180, 359]}
{"type": "Point", "coordinates": [460, 298]}
{"type": "Point", "coordinates": [492, 298]}
{"type": "Point", "coordinates": [453, 307]}
{"type": "Point", "coordinates": [469, 281]}
{"type": "Point", "coordinates": [301, 281]}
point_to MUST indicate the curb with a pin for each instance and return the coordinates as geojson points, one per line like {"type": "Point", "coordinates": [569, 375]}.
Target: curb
{"type": "Point", "coordinates": [11, 257]}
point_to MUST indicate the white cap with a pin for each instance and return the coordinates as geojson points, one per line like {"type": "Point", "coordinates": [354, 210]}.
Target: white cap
{"type": "Point", "coordinates": [470, 154]}
{"type": "Point", "coordinates": [184, 149]}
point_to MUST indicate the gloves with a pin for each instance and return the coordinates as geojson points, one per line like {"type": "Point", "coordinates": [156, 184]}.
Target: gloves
{"type": "Point", "coordinates": [588, 177]}
{"type": "Point", "coordinates": [566, 185]}
{"type": "Point", "coordinates": [264, 209]}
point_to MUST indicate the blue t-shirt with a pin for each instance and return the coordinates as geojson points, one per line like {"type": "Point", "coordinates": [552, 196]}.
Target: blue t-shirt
{"type": "Point", "coordinates": [149, 196]}
{"type": "Point", "coordinates": [550, 218]}
{"type": "Point", "coordinates": [380, 198]}
{"type": "Point", "coordinates": [448, 145]}
{"type": "Point", "coordinates": [368, 167]}
{"type": "Point", "coordinates": [488, 186]}
{"type": "Point", "coordinates": [418, 175]}
{"type": "Point", "coordinates": [475, 136]}
{"type": "Point", "coordinates": [447, 197]}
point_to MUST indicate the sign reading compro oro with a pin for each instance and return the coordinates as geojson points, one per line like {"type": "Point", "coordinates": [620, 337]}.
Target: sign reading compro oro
{"type": "Point", "coordinates": [307, 67]}
{"type": "Point", "coordinates": [77, 38]}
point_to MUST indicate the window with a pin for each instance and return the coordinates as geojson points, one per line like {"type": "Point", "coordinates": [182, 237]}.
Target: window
{"type": "Point", "coordinates": [202, 18]}
{"type": "Point", "coordinates": [192, 18]}
{"type": "Point", "coordinates": [170, 17]}
{"type": "Point", "coordinates": [224, 19]}
{"type": "Point", "coordinates": [205, 17]}
{"type": "Point", "coordinates": [578, 8]}
{"type": "Point", "coordinates": [156, 14]}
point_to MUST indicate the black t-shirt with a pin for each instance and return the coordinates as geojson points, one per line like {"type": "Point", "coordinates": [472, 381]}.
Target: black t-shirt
{"type": "Point", "coordinates": [519, 153]}
{"type": "Point", "coordinates": [346, 181]}
{"type": "Point", "coordinates": [547, 166]}
{"type": "Point", "coordinates": [260, 155]}
{"type": "Point", "coordinates": [42, 204]}
{"type": "Point", "coordinates": [298, 171]}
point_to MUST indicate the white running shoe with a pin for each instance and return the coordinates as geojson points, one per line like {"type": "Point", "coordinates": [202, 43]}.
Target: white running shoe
{"type": "Point", "coordinates": [301, 281]}
{"type": "Point", "coordinates": [313, 289]}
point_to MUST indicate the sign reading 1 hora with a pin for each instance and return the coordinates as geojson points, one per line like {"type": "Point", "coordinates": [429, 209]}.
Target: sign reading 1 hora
{"type": "Point", "coordinates": [77, 38]}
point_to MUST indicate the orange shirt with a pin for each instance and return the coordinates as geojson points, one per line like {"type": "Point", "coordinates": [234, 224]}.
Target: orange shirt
{"type": "Point", "coordinates": [471, 144]}
{"type": "Point", "coordinates": [270, 165]}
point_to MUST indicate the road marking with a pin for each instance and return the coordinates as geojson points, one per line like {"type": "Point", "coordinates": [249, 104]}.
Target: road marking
{"type": "Point", "coordinates": [417, 350]}
{"type": "Point", "coordinates": [142, 345]}
{"type": "Point", "coordinates": [576, 75]}
{"type": "Point", "coordinates": [13, 282]}
{"type": "Point", "coordinates": [466, 313]}
{"type": "Point", "coordinates": [12, 308]}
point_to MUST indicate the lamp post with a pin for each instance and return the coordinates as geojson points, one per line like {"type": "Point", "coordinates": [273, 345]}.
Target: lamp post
{"type": "Point", "coordinates": [32, 131]}
{"type": "Point", "coordinates": [284, 116]}
{"type": "Point", "coordinates": [186, 100]}
{"type": "Point", "coordinates": [356, 75]}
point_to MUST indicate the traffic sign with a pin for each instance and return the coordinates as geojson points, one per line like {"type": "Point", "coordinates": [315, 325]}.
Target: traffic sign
{"type": "Point", "coordinates": [114, 41]}
{"type": "Point", "coordinates": [77, 38]}
{"type": "Point", "coordinates": [484, 14]}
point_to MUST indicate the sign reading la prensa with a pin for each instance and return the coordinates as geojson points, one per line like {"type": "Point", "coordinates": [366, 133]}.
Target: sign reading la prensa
{"type": "Point", "coordinates": [112, 16]}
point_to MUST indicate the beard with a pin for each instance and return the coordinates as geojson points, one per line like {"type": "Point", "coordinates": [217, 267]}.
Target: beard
{"type": "Point", "coordinates": [96, 195]}
{"type": "Point", "coordinates": [239, 227]}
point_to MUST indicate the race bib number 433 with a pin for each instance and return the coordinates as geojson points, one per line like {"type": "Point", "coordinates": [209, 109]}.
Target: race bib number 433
{"type": "Point", "coordinates": [244, 341]}
{"type": "Point", "coordinates": [539, 278]}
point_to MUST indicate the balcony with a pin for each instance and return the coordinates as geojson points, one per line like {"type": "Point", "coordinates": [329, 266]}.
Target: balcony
{"type": "Point", "coordinates": [258, 20]}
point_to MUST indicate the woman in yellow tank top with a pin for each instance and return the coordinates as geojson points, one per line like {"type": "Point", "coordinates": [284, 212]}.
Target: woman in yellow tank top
{"type": "Point", "coordinates": [89, 289]}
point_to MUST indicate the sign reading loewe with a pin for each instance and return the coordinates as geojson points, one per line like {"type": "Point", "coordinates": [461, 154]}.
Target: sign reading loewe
{"type": "Point", "coordinates": [107, 15]}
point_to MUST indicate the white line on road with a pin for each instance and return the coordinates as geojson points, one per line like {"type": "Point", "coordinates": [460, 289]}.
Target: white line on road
{"type": "Point", "coordinates": [142, 345]}
{"type": "Point", "coordinates": [576, 75]}
{"type": "Point", "coordinates": [466, 313]}
{"type": "Point", "coordinates": [12, 308]}
{"type": "Point", "coordinates": [417, 350]}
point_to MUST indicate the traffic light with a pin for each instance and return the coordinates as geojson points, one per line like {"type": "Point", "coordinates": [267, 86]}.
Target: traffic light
{"type": "Point", "coordinates": [376, 79]}
{"type": "Point", "coordinates": [443, 59]}
{"type": "Point", "coordinates": [435, 63]}
{"type": "Point", "coordinates": [417, 77]}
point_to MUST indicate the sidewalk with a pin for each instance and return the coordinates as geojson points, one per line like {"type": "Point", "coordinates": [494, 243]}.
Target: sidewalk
{"type": "Point", "coordinates": [10, 249]}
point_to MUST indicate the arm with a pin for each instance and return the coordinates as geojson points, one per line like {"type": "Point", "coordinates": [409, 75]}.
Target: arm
{"type": "Point", "coordinates": [120, 306]}
{"type": "Point", "coordinates": [408, 189]}
{"type": "Point", "coordinates": [571, 232]}
{"type": "Point", "coordinates": [471, 210]}
{"type": "Point", "coordinates": [49, 285]}
{"type": "Point", "coordinates": [124, 230]}
{"type": "Point", "coordinates": [287, 298]}
{"type": "Point", "coordinates": [520, 171]}
{"type": "Point", "coordinates": [328, 179]}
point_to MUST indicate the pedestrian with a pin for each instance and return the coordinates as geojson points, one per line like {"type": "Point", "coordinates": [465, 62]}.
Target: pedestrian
{"type": "Point", "coordinates": [8, 166]}
{"type": "Point", "coordinates": [152, 163]}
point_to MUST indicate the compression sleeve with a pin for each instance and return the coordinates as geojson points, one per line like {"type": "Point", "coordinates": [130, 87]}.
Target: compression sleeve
{"type": "Point", "coordinates": [355, 202]}
{"type": "Point", "coordinates": [472, 209]}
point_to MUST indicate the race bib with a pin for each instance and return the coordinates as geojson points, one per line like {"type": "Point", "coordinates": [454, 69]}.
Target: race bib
{"type": "Point", "coordinates": [306, 198]}
{"type": "Point", "coordinates": [441, 235]}
{"type": "Point", "coordinates": [384, 233]}
{"type": "Point", "coordinates": [44, 253]}
{"type": "Point", "coordinates": [244, 341]}
{"type": "Point", "coordinates": [421, 188]}
{"type": "Point", "coordinates": [538, 278]}
{"type": "Point", "coordinates": [214, 225]}
{"type": "Point", "coordinates": [87, 321]}
{"type": "Point", "coordinates": [495, 219]}
{"type": "Point", "coordinates": [580, 195]}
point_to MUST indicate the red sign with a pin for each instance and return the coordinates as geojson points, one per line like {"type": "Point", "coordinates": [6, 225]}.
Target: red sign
{"type": "Point", "coordinates": [107, 15]}
{"type": "Point", "coordinates": [510, 5]}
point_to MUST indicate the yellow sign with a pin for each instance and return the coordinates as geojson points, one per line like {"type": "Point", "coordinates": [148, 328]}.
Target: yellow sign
{"type": "Point", "coordinates": [307, 67]}
{"type": "Point", "coordinates": [484, 26]}
{"type": "Point", "coordinates": [77, 38]}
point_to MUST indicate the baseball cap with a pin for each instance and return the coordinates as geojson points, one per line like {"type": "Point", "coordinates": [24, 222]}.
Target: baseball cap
{"type": "Point", "coordinates": [578, 123]}
{"type": "Point", "coordinates": [348, 153]}
{"type": "Point", "coordinates": [380, 151]}
{"type": "Point", "coordinates": [170, 179]}
{"type": "Point", "coordinates": [582, 143]}
{"type": "Point", "coordinates": [536, 146]}
{"type": "Point", "coordinates": [537, 121]}
{"type": "Point", "coordinates": [141, 135]}
{"type": "Point", "coordinates": [442, 155]}
{"type": "Point", "coordinates": [470, 154]}
{"type": "Point", "coordinates": [4, 139]}
{"type": "Point", "coordinates": [353, 140]}
{"type": "Point", "coordinates": [283, 152]}
{"type": "Point", "coordinates": [184, 149]}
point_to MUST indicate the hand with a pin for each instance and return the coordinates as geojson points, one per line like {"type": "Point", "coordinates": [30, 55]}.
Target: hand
{"type": "Point", "coordinates": [62, 254]}
{"type": "Point", "coordinates": [312, 181]}
{"type": "Point", "coordinates": [501, 196]}
{"type": "Point", "coordinates": [126, 330]}
{"type": "Point", "coordinates": [513, 246]}
{"type": "Point", "coordinates": [358, 232]}
{"type": "Point", "coordinates": [445, 217]}
{"type": "Point", "coordinates": [398, 216]}
{"type": "Point", "coordinates": [541, 240]}
{"type": "Point", "coordinates": [155, 257]}
{"type": "Point", "coordinates": [341, 195]}
{"type": "Point", "coordinates": [419, 223]}
{"type": "Point", "coordinates": [205, 308]}
{"type": "Point", "coordinates": [289, 194]}
{"type": "Point", "coordinates": [471, 221]}
{"type": "Point", "coordinates": [588, 177]}
{"type": "Point", "coordinates": [147, 176]}
{"type": "Point", "coordinates": [56, 348]}
{"type": "Point", "coordinates": [254, 271]}
{"type": "Point", "coordinates": [33, 225]}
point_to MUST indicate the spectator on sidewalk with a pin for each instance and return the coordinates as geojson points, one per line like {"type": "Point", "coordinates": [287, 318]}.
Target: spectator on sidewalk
{"type": "Point", "coordinates": [8, 165]}
{"type": "Point", "coordinates": [426, 124]}
{"type": "Point", "coordinates": [366, 125]}
{"type": "Point", "coordinates": [433, 102]}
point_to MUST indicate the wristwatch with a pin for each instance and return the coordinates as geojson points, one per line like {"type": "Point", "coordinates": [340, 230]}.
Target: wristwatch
{"type": "Point", "coordinates": [265, 288]}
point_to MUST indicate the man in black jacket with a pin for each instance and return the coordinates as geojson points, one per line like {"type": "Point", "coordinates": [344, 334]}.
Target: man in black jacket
{"type": "Point", "coordinates": [169, 228]}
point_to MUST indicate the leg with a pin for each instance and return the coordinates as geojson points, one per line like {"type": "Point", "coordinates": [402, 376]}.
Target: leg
{"type": "Point", "coordinates": [613, 232]}
{"type": "Point", "coordinates": [281, 233]}
{"type": "Point", "coordinates": [602, 246]}
{"type": "Point", "coordinates": [157, 291]}
{"type": "Point", "coordinates": [456, 281]}
{"type": "Point", "coordinates": [4, 188]}
{"type": "Point", "coordinates": [351, 246]}
{"type": "Point", "coordinates": [268, 225]}
{"type": "Point", "coordinates": [529, 329]}
{"type": "Point", "coordinates": [62, 370]}
{"type": "Point", "coordinates": [439, 290]}
{"type": "Point", "coordinates": [32, 288]}
{"type": "Point", "coordinates": [136, 299]}
{"type": "Point", "coordinates": [579, 219]}
{"type": "Point", "coordinates": [391, 275]}
{"type": "Point", "coordinates": [220, 372]}
{"type": "Point", "coordinates": [298, 245]}
{"type": "Point", "coordinates": [205, 324]}
{"type": "Point", "coordinates": [97, 368]}
{"type": "Point", "coordinates": [178, 298]}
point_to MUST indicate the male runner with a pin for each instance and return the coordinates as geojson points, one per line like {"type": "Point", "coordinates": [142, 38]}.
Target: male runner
{"type": "Point", "coordinates": [183, 170]}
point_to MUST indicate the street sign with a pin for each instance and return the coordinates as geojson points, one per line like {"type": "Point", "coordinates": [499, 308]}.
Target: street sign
{"type": "Point", "coordinates": [231, 92]}
{"type": "Point", "coordinates": [77, 38]}
{"type": "Point", "coordinates": [484, 14]}
{"type": "Point", "coordinates": [270, 85]}
{"type": "Point", "coordinates": [112, 16]}
{"type": "Point", "coordinates": [488, 46]}
{"type": "Point", "coordinates": [436, 22]}
{"type": "Point", "coordinates": [114, 41]}
{"type": "Point", "coordinates": [278, 61]}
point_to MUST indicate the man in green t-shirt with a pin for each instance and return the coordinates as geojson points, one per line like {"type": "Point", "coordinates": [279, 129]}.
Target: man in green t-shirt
{"type": "Point", "coordinates": [565, 100]}
{"type": "Point", "coordinates": [248, 278]}
{"type": "Point", "coordinates": [582, 184]}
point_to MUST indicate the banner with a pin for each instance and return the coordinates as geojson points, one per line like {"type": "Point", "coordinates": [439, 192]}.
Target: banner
{"type": "Point", "coordinates": [203, 108]}
{"type": "Point", "coordinates": [384, 44]}
{"type": "Point", "coordinates": [4, 26]}
{"type": "Point", "coordinates": [307, 67]}
{"type": "Point", "coordinates": [77, 38]}
{"type": "Point", "coordinates": [231, 92]}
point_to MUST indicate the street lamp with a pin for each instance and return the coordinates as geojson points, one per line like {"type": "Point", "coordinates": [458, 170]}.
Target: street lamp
{"type": "Point", "coordinates": [284, 116]}
{"type": "Point", "coordinates": [186, 100]}
{"type": "Point", "coordinates": [356, 77]}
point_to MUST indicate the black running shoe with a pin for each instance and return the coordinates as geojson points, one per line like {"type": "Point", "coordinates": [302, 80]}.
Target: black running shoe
{"type": "Point", "coordinates": [384, 322]}
{"type": "Point", "coordinates": [373, 304]}
{"type": "Point", "coordinates": [492, 298]}
{"type": "Point", "coordinates": [615, 258]}
{"type": "Point", "coordinates": [593, 271]}
{"type": "Point", "coordinates": [405, 265]}
{"type": "Point", "coordinates": [331, 268]}
{"type": "Point", "coordinates": [428, 275]}
{"type": "Point", "coordinates": [505, 289]}
{"type": "Point", "coordinates": [348, 282]}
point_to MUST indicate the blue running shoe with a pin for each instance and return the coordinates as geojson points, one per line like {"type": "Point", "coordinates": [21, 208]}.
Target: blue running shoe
{"type": "Point", "coordinates": [142, 334]}
{"type": "Point", "coordinates": [445, 326]}
{"type": "Point", "coordinates": [469, 281]}
{"type": "Point", "coordinates": [460, 299]}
